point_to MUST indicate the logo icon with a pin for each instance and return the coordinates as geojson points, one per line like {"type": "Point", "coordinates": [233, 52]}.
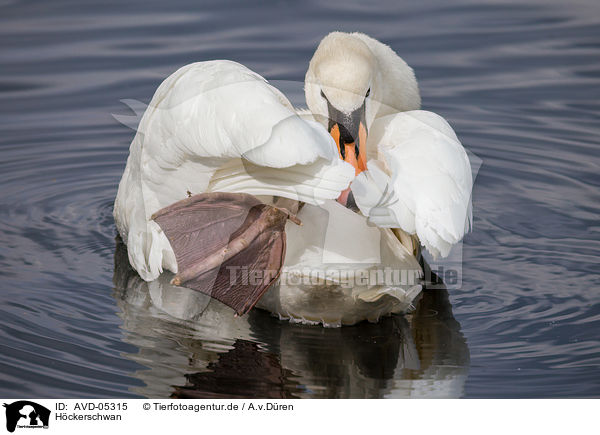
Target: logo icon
{"type": "Point", "coordinates": [26, 414]}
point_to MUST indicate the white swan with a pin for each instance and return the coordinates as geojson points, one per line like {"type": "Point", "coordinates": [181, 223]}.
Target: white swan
{"type": "Point", "coordinates": [217, 126]}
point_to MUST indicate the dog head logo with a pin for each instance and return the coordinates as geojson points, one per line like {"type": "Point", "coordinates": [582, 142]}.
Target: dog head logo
{"type": "Point", "coordinates": [26, 414]}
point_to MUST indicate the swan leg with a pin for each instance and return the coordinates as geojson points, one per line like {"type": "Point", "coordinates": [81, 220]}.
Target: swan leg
{"type": "Point", "coordinates": [230, 246]}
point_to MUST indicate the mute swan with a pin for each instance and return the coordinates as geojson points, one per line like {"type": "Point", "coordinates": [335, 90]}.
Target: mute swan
{"type": "Point", "coordinates": [218, 127]}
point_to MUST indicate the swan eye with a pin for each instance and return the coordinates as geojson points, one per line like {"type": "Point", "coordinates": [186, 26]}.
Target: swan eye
{"type": "Point", "coordinates": [323, 94]}
{"type": "Point", "coordinates": [368, 92]}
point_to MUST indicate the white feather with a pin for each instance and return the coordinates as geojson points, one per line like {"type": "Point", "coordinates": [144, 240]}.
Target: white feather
{"type": "Point", "coordinates": [423, 182]}
{"type": "Point", "coordinates": [218, 126]}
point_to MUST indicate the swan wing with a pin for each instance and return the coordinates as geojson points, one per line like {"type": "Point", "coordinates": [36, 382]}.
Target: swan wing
{"type": "Point", "coordinates": [218, 126]}
{"type": "Point", "coordinates": [420, 181]}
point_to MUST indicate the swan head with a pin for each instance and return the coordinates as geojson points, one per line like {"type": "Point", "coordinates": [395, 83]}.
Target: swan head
{"type": "Point", "coordinates": [338, 87]}
{"type": "Point", "coordinates": [351, 80]}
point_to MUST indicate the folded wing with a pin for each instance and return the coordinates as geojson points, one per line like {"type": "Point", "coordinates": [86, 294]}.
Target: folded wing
{"type": "Point", "coordinates": [218, 126]}
{"type": "Point", "coordinates": [420, 179]}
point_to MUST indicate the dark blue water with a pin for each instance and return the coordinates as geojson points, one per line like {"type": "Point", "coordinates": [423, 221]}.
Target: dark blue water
{"type": "Point", "coordinates": [520, 83]}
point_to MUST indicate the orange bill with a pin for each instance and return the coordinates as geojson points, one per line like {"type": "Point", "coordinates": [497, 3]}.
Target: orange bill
{"type": "Point", "coordinates": [359, 162]}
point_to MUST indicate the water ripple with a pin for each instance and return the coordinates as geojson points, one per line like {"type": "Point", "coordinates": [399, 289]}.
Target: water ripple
{"type": "Point", "coordinates": [518, 81]}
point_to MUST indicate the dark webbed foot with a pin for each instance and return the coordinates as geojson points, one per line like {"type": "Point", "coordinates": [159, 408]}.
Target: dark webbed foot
{"type": "Point", "coordinates": [230, 246]}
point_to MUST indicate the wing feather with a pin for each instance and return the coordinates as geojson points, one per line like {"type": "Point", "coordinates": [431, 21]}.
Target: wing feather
{"type": "Point", "coordinates": [218, 120]}
{"type": "Point", "coordinates": [422, 181]}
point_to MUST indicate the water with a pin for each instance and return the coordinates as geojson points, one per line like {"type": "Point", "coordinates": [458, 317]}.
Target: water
{"type": "Point", "coordinates": [518, 81]}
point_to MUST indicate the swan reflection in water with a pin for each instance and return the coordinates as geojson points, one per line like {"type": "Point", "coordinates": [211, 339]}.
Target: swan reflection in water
{"type": "Point", "coordinates": [192, 346]}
